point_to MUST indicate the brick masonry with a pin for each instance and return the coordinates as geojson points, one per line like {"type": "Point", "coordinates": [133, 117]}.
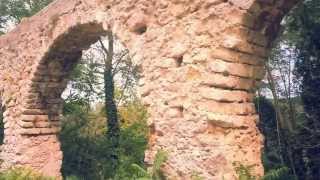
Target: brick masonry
{"type": "Point", "coordinates": [201, 61]}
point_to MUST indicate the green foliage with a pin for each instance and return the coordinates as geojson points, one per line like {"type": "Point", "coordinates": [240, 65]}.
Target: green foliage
{"type": "Point", "coordinates": [282, 173]}
{"type": "Point", "coordinates": [133, 143]}
{"type": "Point", "coordinates": [244, 172]}
{"type": "Point", "coordinates": [272, 150]}
{"type": "Point", "coordinates": [94, 80]}
{"type": "Point", "coordinates": [297, 55]}
{"type": "Point", "coordinates": [160, 158]}
{"type": "Point", "coordinates": [267, 125]}
{"type": "Point", "coordinates": [72, 178]}
{"type": "Point", "coordinates": [22, 174]}
{"type": "Point", "coordinates": [196, 176]}
{"type": "Point", "coordinates": [139, 172]}
{"type": "Point", "coordinates": [303, 27]}
{"type": "Point", "coordinates": [13, 11]}
{"type": "Point", "coordinates": [155, 173]}
{"type": "Point", "coordinates": [86, 148]}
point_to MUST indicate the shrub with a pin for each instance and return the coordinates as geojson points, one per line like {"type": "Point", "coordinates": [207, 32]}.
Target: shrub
{"type": "Point", "coordinates": [155, 172]}
{"type": "Point", "coordinates": [245, 173]}
{"type": "Point", "coordinates": [23, 174]}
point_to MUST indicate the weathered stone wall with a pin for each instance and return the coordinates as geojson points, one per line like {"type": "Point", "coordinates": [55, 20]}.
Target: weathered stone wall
{"type": "Point", "coordinates": [201, 61]}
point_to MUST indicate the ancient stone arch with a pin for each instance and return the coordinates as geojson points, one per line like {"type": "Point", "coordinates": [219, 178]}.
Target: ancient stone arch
{"type": "Point", "coordinates": [201, 61]}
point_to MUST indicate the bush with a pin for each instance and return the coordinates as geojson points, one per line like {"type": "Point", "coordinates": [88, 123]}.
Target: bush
{"type": "Point", "coordinates": [23, 174]}
{"type": "Point", "coordinates": [155, 172]}
{"type": "Point", "coordinates": [87, 149]}
{"type": "Point", "coordinates": [245, 173]}
{"type": "Point", "coordinates": [282, 173]}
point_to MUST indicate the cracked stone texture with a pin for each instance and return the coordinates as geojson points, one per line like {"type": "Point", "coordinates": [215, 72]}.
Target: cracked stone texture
{"type": "Point", "coordinates": [201, 61]}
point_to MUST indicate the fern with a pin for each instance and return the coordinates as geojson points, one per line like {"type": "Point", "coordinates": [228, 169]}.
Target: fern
{"type": "Point", "coordinates": [72, 178]}
{"type": "Point", "coordinates": [160, 158]}
{"type": "Point", "coordinates": [155, 173]}
{"type": "Point", "coordinates": [244, 172]}
{"type": "Point", "coordinates": [140, 172]}
{"type": "Point", "coordinates": [278, 174]}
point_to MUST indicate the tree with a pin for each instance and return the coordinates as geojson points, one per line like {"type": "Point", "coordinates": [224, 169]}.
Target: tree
{"type": "Point", "coordinates": [305, 27]}
{"type": "Point", "coordinates": [86, 147]}
{"type": "Point", "coordinates": [111, 111]}
{"type": "Point", "coordinates": [272, 155]}
{"type": "Point", "coordinates": [295, 63]}
{"type": "Point", "coordinates": [106, 74]}
{"type": "Point", "coordinates": [13, 11]}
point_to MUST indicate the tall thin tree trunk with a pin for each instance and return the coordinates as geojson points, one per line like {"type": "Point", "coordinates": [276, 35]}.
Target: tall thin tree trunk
{"type": "Point", "coordinates": [280, 121]}
{"type": "Point", "coordinates": [113, 125]}
{"type": "Point", "coordinates": [287, 91]}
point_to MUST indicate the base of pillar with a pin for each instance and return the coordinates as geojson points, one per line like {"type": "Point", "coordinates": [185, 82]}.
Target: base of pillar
{"type": "Point", "coordinates": [40, 153]}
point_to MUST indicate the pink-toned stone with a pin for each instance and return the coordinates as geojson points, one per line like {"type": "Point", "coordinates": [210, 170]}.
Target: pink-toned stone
{"type": "Point", "coordinates": [200, 62]}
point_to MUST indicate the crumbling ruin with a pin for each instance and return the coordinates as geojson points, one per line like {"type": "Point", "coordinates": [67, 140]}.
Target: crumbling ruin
{"type": "Point", "coordinates": [201, 61]}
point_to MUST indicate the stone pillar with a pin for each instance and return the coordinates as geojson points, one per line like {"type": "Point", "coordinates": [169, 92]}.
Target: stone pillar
{"type": "Point", "coordinates": [202, 112]}
{"type": "Point", "coordinates": [30, 137]}
{"type": "Point", "coordinates": [199, 88]}
{"type": "Point", "coordinates": [31, 129]}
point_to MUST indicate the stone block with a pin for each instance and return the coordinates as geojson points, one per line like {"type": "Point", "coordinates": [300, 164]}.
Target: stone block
{"type": "Point", "coordinates": [225, 95]}
{"type": "Point", "coordinates": [30, 131]}
{"type": "Point", "coordinates": [34, 118]}
{"type": "Point", "coordinates": [51, 130]}
{"type": "Point", "coordinates": [25, 124]}
{"type": "Point", "coordinates": [226, 108]}
{"type": "Point", "coordinates": [34, 112]}
{"type": "Point", "coordinates": [235, 56]}
{"type": "Point", "coordinates": [227, 82]}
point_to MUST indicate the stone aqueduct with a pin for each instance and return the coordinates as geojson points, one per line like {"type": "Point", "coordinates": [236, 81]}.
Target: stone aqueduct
{"type": "Point", "coordinates": [201, 61]}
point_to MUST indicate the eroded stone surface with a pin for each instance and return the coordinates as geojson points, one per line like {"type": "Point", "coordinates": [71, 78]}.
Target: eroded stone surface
{"type": "Point", "coordinates": [201, 61]}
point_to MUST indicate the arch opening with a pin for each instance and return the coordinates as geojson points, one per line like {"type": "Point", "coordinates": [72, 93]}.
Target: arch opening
{"type": "Point", "coordinates": [287, 99]}
{"type": "Point", "coordinates": [69, 94]}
